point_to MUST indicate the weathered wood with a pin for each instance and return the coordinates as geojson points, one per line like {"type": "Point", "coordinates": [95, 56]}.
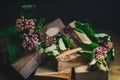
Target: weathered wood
{"type": "Point", "coordinates": [68, 60]}
{"type": "Point", "coordinates": [27, 64]}
{"type": "Point", "coordinates": [82, 73]}
{"type": "Point", "coordinates": [82, 36]}
{"type": "Point", "coordinates": [54, 27]}
{"type": "Point", "coordinates": [68, 52]}
{"type": "Point", "coordinates": [45, 72]}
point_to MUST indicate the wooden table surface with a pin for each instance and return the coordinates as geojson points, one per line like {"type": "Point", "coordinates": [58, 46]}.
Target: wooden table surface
{"type": "Point", "coordinates": [114, 73]}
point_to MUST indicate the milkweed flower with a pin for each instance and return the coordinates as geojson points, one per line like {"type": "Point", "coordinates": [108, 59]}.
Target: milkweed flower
{"type": "Point", "coordinates": [30, 24]}
{"type": "Point", "coordinates": [109, 44]}
{"type": "Point", "coordinates": [101, 51]}
{"type": "Point", "coordinates": [23, 23]}
{"type": "Point", "coordinates": [30, 41]}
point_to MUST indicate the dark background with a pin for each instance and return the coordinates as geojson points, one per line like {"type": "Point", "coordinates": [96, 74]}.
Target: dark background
{"type": "Point", "coordinates": [102, 14]}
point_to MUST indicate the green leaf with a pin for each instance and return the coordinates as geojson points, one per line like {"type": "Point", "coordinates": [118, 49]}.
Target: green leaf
{"type": "Point", "coordinates": [51, 48]}
{"type": "Point", "coordinates": [39, 25]}
{"type": "Point", "coordinates": [77, 28]}
{"type": "Point", "coordinates": [40, 22]}
{"type": "Point", "coordinates": [110, 55]}
{"type": "Point", "coordinates": [88, 54]}
{"type": "Point", "coordinates": [27, 11]}
{"type": "Point", "coordinates": [67, 42]}
{"type": "Point", "coordinates": [61, 44]}
{"type": "Point", "coordinates": [88, 47]}
{"type": "Point", "coordinates": [87, 29]}
{"type": "Point", "coordinates": [39, 46]}
{"type": "Point", "coordinates": [102, 36]}
{"type": "Point", "coordinates": [13, 48]}
{"type": "Point", "coordinates": [8, 31]}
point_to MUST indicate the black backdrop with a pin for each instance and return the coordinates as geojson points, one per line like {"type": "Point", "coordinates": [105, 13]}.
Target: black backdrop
{"type": "Point", "coordinates": [100, 13]}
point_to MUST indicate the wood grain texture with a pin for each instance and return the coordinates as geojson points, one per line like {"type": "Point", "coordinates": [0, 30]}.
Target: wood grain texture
{"type": "Point", "coordinates": [45, 71]}
{"type": "Point", "coordinates": [114, 73]}
{"type": "Point", "coordinates": [82, 73]}
{"type": "Point", "coordinates": [26, 65]}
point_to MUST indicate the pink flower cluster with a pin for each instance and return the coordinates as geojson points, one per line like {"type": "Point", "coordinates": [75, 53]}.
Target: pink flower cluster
{"type": "Point", "coordinates": [109, 44]}
{"type": "Point", "coordinates": [30, 41]}
{"type": "Point", "coordinates": [23, 23]}
{"type": "Point", "coordinates": [50, 40]}
{"type": "Point", "coordinates": [101, 51]}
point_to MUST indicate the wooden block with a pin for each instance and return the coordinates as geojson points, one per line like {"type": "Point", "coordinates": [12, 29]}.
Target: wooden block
{"type": "Point", "coordinates": [48, 73]}
{"type": "Point", "coordinates": [68, 59]}
{"type": "Point", "coordinates": [27, 64]}
{"type": "Point", "coordinates": [82, 36]}
{"type": "Point", "coordinates": [54, 27]}
{"type": "Point", "coordinates": [82, 73]}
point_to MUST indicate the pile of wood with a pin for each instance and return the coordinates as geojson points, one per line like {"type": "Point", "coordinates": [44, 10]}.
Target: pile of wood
{"type": "Point", "coordinates": [66, 66]}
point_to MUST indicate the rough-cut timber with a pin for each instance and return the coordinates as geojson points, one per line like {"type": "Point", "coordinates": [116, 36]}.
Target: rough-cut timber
{"type": "Point", "coordinates": [45, 73]}
{"type": "Point", "coordinates": [82, 36]}
{"type": "Point", "coordinates": [67, 59]}
{"type": "Point", "coordinates": [26, 65]}
{"type": "Point", "coordinates": [54, 27]}
{"type": "Point", "coordinates": [82, 73]}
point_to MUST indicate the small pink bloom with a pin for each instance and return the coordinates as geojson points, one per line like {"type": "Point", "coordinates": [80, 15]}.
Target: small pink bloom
{"type": "Point", "coordinates": [109, 44]}
{"type": "Point", "coordinates": [100, 50]}
{"type": "Point", "coordinates": [23, 23]}
{"type": "Point", "coordinates": [30, 41]}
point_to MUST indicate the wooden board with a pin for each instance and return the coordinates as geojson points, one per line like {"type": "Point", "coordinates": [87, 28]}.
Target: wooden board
{"type": "Point", "coordinates": [27, 64]}
{"type": "Point", "coordinates": [82, 73]}
{"type": "Point", "coordinates": [66, 62]}
{"type": "Point", "coordinates": [46, 72]}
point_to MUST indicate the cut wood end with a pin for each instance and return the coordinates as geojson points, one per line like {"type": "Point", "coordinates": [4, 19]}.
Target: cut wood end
{"type": "Point", "coordinates": [72, 24]}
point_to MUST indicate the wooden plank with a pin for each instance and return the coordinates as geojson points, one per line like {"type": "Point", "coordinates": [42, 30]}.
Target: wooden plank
{"type": "Point", "coordinates": [45, 72]}
{"type": "Point", "coordinates": [27, 64]}
{"type": "Point", "coordinates": [54, 27]}
{"type": "Point", "coordinates": [82, 36]}
{"type": "Point", "coordinates": [82, 73]}
{"type": "Point", "coordinates": [67, 61]}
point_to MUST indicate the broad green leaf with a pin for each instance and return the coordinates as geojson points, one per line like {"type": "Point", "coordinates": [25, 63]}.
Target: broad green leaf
{"type": "Point", "coordinates": [40, 22]}
{"type": "Point", "coordinates": [110, 55]}
{"type": "Point", "coordinates": [39, 25]}
{"type": "Point", "coordinates": [77, 28]}
{"type": "Point", "coordinates": [8, 31]}
{"type": "Point", "coordinates": [88, 47]}
{"type": "Point", "coordinates": [88, 54]}
{"type": "Point", "coordinates": [67, 42]}
{"type": "Point", "coordinates": [87, 29]}
{"type": "Point", "coordinates": [61, 44]}
{"type": "Point", "coordinates": [93, 62]}
{"type": "Point", "coordinates": [102, 36]}
{"type": "Point", "coordinates": [55, 52]}
{"type": "Point", "coordinates": [39, 46]}
{"type": "Point", "coordinates": [51, 48]}
{"type": "Point", "coordinates": [13, 48]}
{"type": "Point", "coordinates": [27, 11]}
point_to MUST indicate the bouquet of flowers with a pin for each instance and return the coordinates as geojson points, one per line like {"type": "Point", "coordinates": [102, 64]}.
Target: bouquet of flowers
{"type": "Point", "coordinates": [24, 35]}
